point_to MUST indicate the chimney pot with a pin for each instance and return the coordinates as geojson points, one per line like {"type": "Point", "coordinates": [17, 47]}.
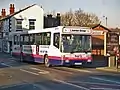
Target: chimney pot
{"type": "Point", "coordinates": [12, 8]}
{"type": "Point", "coordinates": [49, 15]}
{"type": "Point", "coordinates": [58, 14]}
{"type": "Point", "coordinates": [10, 5]}
{"type": "Point", "coordinates": [3, 13]}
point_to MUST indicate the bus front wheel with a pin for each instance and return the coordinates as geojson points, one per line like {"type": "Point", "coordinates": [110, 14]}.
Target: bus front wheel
{"type": "Point", "coordinates": [46, 60]}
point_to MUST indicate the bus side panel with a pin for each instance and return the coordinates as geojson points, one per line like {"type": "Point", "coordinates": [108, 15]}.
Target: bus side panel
{"type": "Point", "coordinates": [39, 58]}
{"type": "Point", "coordinates": [27, 51]}
{"type": "Point", "coordinates": [30, 55]}
{"type": "Point", "coordinates": [55, 60]}
{"type": "Point", "coordinates": [16, 51]}
{"type": "Point", "coordinates": [41, 50]}
{"type": "Point", "coordinates": [55, 56]}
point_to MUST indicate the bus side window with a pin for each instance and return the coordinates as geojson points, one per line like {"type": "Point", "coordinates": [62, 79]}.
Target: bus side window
{"type": "Point", "coordinates": [37, 38]}
{"type": "Point", "coordinates": [46, 38]}
{"type": "Point", "coordinates": [26, 39]}
{"type": "Point", "coordinates": [56, 39]}
{"type": "Point", "coordinates": [32, 39]}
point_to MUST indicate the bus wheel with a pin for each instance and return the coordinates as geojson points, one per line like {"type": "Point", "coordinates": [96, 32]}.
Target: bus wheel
{"type": "Point", "coordinates": [46, 59]}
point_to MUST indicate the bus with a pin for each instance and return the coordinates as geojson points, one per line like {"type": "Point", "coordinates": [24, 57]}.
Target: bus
{"type": "Point", "coordinates": [62, 45]}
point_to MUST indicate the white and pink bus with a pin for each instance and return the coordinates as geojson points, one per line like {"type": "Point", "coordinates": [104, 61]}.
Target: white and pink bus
{"type": "Point", "coordinates": [62, 45]}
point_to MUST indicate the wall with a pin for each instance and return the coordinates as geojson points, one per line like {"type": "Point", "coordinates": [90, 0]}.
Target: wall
{"type": "Point", "coordinates": [50, 21]}
{"type": "Point", "coordinates": [34, 12]}
{"type": "Point", "coordinates": [98, 41]}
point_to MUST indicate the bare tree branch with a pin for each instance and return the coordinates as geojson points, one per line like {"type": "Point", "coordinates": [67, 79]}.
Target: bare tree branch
{"type": "Point", "coordinates": [79, 18]}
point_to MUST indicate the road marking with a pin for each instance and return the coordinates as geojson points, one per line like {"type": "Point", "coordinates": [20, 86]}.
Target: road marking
{"type": "Point", "coordinates": [58, 69]}
{"type": "Point", "coordinates": [74, 85]}
{"type": "Point", "coordinates": [97, 78]}
{"type": "Point", "coordinates": [29, 72]}
{"type": "Point", "coordinates": [6, 65]}
{"type": "Point", "coordinates": [94, 83]}
{"type": "Point", "coordinates": [80, 70]}
{"type": "Point", "coordinates": [41, 71]}
{"type": "Point", "coordinates": [37, 69]}
{"type": "Point", "coordinates": [13, 60]}
{"type": "Point", "coordinates": [103, 89]}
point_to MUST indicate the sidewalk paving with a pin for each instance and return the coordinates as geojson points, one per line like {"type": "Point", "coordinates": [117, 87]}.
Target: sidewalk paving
{"type": "Point", "coordinates": [109, 69]}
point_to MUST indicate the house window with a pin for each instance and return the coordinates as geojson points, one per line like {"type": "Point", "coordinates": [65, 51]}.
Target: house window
{"type": "Point", "coordinates": [18, 24]}
{"type": "Point", "coordinates": [32, 23]}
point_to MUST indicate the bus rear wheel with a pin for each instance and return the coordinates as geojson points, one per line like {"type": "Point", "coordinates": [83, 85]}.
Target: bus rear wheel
{"type": "Point", "coordinates": [46, 60]}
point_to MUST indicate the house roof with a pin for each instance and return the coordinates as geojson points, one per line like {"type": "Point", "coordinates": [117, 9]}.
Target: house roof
{"type": "Point", "coordinates": [101, 26]}
{"type": "Point", "coordinates": [115, 29]}
{"type": "Point", "coordinates": [8, 16]}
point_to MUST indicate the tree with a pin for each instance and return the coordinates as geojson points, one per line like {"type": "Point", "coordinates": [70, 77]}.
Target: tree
{"type": "Point", "coordinates": [79, 18]}
{"type": "Point", "coordinates": [67, 18]}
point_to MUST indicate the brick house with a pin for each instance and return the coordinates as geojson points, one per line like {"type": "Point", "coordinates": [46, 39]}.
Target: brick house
{"type": "Point", "coordinates": [98, 39]}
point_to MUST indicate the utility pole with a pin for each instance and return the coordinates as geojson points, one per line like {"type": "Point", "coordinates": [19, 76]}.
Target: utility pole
{"type": "Point", "coordinates": [106, 19]}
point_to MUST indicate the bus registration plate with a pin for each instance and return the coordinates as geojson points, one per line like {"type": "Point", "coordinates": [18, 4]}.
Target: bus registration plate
{"type": "Point", "coordinates": [78, 63]}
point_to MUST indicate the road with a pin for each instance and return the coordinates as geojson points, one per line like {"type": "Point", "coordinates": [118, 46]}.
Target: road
{"type": "Point", "coordinates": [15, 75]}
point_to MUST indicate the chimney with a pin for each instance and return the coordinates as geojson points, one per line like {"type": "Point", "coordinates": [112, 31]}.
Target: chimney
{"type": "Point", "coordinates": [58, 17]}
{"type": "Point", "coordinates": [49, 15]}
{"type": "Point", "coordinates": [3, 13]}
{"type": "Point", "coordinates": [12, 8]}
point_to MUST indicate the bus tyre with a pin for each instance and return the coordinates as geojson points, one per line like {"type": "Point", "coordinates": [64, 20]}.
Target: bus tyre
{"type": "Point", "coordinates": [47, 64]}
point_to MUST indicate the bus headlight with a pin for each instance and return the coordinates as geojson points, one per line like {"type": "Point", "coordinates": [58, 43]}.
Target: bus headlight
{"type": "Point", "coordinates": [89, 60]}
{"type": "Point", "coordinates": [67, 61]}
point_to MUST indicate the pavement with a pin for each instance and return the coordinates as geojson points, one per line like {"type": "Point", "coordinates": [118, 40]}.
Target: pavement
{"type": "Point", "coordinates": [15, 75]}
{"type": "Point", "coordinates": [110, 69]}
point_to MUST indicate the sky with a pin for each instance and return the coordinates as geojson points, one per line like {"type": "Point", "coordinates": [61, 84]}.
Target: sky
{"type": "Point", "coordinates": [107, 8]}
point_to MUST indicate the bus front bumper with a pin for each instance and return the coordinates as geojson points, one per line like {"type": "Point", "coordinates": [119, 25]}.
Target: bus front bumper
{"type": "Point", "coordinates": [77, 62]}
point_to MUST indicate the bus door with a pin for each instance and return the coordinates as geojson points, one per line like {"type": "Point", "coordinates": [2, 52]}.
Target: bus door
{"type": "Point", "coordinates": [37, 42]}
{"type": "Point", "coordinates": [37, 49]}
{"type": "Point", "coordinates": [56, 43]}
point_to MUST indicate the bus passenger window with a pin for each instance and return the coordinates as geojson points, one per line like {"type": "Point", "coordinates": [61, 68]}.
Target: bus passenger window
{"type": "Point", "coordinates": [32, 39]}
{"type": "Point", "coordinates": [37, 38]}
{"type": "Point", "coordinates": [26, 39]}
{"type": "Point", "coordinates": [47, 37]}
{"type": "Point", "coordinates": [56, 40]}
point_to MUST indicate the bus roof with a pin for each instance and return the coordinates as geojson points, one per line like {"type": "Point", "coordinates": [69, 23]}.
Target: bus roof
{"type": "Point", "coordinates": [53, 29]}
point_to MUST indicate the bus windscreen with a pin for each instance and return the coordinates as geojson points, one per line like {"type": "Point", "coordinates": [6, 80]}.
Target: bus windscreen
{"type": "Point", "coordinates": [76, 43]}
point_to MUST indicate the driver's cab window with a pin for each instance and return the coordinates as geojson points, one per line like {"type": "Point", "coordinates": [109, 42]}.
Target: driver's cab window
{"type": "Point", "coordinates": [56, 40]}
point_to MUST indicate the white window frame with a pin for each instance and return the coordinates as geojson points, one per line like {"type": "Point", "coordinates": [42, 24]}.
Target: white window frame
{"type": "Point", "coordinates": [19, 24]}
{"type": "Point", "coordinates": [32, 25]}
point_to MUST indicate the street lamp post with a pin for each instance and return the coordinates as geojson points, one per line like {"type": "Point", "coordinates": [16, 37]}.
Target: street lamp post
{"type": "Point", "coordinates": [105, 20]}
